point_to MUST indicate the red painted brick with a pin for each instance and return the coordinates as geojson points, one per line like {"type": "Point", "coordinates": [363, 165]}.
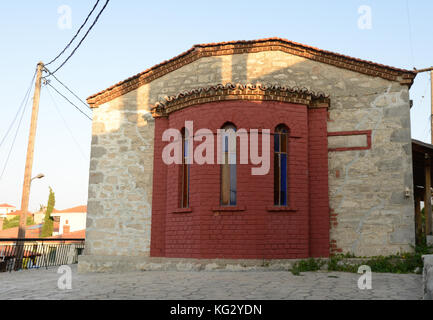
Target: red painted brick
{"type": "Point", "coordinates": [254, 233]}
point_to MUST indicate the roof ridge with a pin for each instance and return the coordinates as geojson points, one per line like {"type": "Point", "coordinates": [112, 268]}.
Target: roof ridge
{"type": "Point", "coordinates": [245, 46]}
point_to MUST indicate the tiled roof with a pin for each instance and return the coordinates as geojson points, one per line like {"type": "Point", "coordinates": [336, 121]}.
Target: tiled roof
{"type": "Point", "coordinates": [80, 234]}
{"type": "Point", "coordinates": [237, 47]}
{"type": "Point", "coordinates": [13, 232]}
{"type": "Point", "coordinates": [77, 209]}
{"type": "Point", "coordinates": [5, 205]}
{"type": "Point", "coordinates": [16, 213]}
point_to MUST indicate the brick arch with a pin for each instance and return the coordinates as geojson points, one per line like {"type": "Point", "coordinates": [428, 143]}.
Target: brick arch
{"type": "Point", "coordinates": [230, 92]}
{"type": "Point", "coordinates": [230, 122]}
{"type": "Point", "coordinates": [280, 124]}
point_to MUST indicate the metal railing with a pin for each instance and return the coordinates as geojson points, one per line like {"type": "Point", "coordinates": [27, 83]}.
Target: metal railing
{"type": "Point", "coordinates": [18, 254]}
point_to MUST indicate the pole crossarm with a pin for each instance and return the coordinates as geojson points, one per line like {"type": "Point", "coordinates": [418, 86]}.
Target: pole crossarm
{"type": "Point", "coordinates": [423, 70]}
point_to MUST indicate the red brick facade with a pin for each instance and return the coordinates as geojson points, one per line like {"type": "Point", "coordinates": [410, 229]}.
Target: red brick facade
{"type": "Point", "coordinates": [254, 229]}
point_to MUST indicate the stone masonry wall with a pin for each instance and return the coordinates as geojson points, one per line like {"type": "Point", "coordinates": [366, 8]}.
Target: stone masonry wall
{"type": "Point", "coordinates": [369, 211]}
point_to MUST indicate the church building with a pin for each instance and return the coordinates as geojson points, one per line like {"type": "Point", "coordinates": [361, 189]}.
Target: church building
{"type": "Point", "coordinates": [320, 162]}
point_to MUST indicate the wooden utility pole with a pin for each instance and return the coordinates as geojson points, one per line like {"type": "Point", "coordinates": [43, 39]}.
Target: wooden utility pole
{"type": "Point", "coordinates": [431, 84]}
{"type": "Point", "coordinates": [30, 151]}
{"type": "Point", "coordinates": [428, 196]}
{"type": "Point", "coordinates": [428, 214]}
{"type": "Point", "coordinates": [428, 193]}
{"type": "Point", "coordinates": [431, 98]}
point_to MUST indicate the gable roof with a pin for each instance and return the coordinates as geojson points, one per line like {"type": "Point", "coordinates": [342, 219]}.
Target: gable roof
{"type": "Point", "coordinates": [80, 234]}
{"type": "Point", "coordinates": [17, 213]}
{"type": "Point", "coordinates": [237, 47]}
{"type": "Point", "coordinates": [6, 205]}
{"type": "Point", "coordinates": [77, 209]}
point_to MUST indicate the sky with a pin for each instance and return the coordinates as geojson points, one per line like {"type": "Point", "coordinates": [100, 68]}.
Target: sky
{"type": "Point", "coordinates": [132, 36]}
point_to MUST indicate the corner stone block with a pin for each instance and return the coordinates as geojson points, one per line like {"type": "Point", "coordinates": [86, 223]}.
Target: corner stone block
{"type": "Point", "coordinates": [428, 277]}
{"type": "Point", "coordinates": [96, 177]}
{"type": "Point", "coordinates": [98, 152]}
{"type": "Point", "coordinates": [94, 207]}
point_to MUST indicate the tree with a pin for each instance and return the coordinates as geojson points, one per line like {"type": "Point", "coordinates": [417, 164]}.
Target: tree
{"type": "Point", "coordinates": [48, 226]}
{"type": "Point", "coordinates": [15, 221]}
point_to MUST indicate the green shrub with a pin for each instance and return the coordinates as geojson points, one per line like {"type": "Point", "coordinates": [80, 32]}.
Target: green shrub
{"type": "Point", "coordinates": [399, 263]}
{"type": "Point", "coordinates": [310, 264]}
{"type": "Point", "coordinates": [15, 222]}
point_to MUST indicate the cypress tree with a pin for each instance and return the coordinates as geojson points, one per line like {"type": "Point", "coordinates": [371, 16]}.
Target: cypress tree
{"type": "Point", "coordinates": [48, 226]}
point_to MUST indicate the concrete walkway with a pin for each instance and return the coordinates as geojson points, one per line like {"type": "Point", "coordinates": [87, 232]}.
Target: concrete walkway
{"type": "Point", "coordinates": [43, 284]}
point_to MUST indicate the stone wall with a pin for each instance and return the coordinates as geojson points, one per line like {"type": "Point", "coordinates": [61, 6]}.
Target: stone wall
{"type": "Point", "coordinates": [369, 211]}
{"type": "Point", "coordinates": [427, 277]}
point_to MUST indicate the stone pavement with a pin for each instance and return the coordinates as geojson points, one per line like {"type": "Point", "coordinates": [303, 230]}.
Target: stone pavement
{"type": "Point", "coordinates": [42, 284]}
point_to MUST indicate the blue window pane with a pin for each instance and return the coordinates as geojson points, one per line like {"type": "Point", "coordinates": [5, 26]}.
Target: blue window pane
{"type": "Point", "coordinates": [188, 184]}
{"type": "Point", "coordinates": [226, 144]}
{"type": "Point", "coordinates": [276, 142]}
{"type": "Point", "coordinates": [232, 184]}
{"type": "Point", "coordinates": [185, 148]}
{"type": "Point", "coordinates": [283, 187]}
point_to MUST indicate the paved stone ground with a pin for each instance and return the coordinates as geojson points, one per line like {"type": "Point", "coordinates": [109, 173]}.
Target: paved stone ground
{"type": "Point", "coordinates": [42, 284]}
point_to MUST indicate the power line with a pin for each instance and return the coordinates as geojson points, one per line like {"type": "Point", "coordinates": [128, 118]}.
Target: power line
{"type": "Point", "coordinates": [84, 37]}
{"type": "Point", "coordinates": [19, 109]}
{"type": "Point", "coordinates": [15, 137]}
{"type": "Point", "coordinates": [81, 111]}
{"type": "Point", "coordinates": [65, 123]}
{"type": "Point", "coordinates": [66, 87]}
{"type": "Point", "coordinates": [410, 32]}
{"type": "Point", "coordinates": [70, 42]}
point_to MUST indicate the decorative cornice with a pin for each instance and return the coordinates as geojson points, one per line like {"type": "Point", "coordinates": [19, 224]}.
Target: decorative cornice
{"type": "Point", "coordinates": [405, 77]}
{"type": "Point", "coordinates": [250, 92]}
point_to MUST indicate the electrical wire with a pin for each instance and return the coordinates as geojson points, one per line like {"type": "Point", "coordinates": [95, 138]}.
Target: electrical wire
{"type": "Point", "coordinates": [19, 110]}
{"type": "Point", "coordinates": [66, 87]}
{"type": "Point", "coordinates": [66, 124]}
{"type": "Point", "coordinates": [82, 39]}
{"type": "Point", "coordinates": [64, 97]}
{"type": "Point", "coordinates": [410, 32]}
{"type": "Point", "coordinates": [73, 38]}
{"type": "Point", "coordinates": [15, 137]}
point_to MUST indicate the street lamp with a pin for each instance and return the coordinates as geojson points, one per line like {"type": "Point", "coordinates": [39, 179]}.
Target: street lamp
{"type": "Point", "coordinates": [23, 217]}
{"type": "Point", "coordinates": [39, 176]}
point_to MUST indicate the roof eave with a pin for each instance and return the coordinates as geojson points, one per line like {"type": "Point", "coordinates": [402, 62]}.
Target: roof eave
{"type": "Point", "coordinates": [404, 77]}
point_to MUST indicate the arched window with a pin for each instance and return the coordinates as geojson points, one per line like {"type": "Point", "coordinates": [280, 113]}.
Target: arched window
{"type": "Point", "coordinates": [184, 174]}
{"type": "Point", "coordinates": [280, 165]}
{"type": "Point", "coordinates": [228, 168]}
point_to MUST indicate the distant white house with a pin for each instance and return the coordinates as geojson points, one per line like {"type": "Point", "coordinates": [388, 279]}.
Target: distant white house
{"type": "Point", "coordinates": [5, 209]}
{"type": "Point", "coordinates": [69, 220]}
